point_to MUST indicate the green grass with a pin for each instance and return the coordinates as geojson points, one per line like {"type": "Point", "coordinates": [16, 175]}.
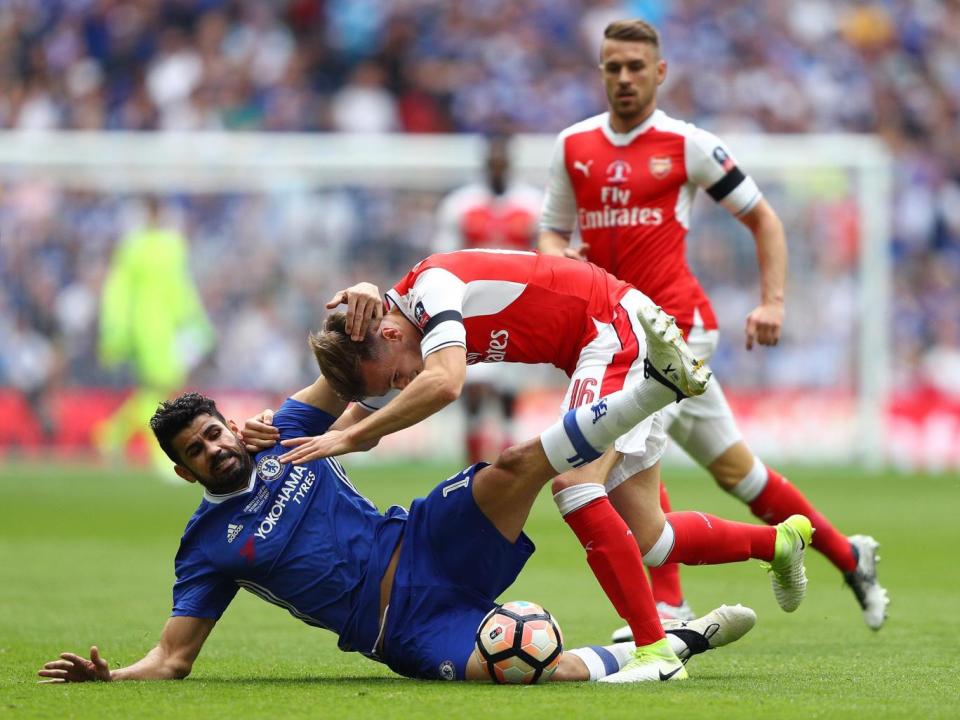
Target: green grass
{"type": "Point", "coordinates": [87, 558]}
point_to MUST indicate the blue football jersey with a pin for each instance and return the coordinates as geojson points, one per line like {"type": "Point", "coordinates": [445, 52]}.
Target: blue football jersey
{"type": "Point", "coordinates": [298, 536]}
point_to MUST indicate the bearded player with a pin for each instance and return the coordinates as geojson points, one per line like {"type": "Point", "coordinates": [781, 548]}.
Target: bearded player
{"type": "Point", "coordinates": [626, 179]}
{"type": "Point", "coordinates": [405, 588]}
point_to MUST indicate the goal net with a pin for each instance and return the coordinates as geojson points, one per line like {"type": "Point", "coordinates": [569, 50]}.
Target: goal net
{"type": "Point", "coordinates": [277, 223]}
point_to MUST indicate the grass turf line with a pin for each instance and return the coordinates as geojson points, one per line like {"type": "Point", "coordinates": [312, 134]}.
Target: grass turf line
{"type": "Point", "coordinates": [88, 558]}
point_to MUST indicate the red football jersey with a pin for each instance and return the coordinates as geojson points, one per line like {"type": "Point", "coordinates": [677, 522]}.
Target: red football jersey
{"type": "Point", "coordinates": [507, 306]}
{"type": "Point", "coordinates": [474, 217]}
{"type": "Point", "coordinates": [630, 195]}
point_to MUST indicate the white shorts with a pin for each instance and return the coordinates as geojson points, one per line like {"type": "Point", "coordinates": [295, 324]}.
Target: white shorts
{"type": "Point", "coordinates": [703, 426]}
{"type": "Point", "coordinates": [612, 361]}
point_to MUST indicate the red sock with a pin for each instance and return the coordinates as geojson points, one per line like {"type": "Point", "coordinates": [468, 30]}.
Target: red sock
{"type": "Point", "coordinates": [665, 580]}
{"type": "Point", "coordinates": [708, 540]}
{"type": "Point", "coordinates": [780, 499]}
{"type": "Point", "coordinates": [615, 559]}
{"type": "Point", "coordinates": [475, 445]}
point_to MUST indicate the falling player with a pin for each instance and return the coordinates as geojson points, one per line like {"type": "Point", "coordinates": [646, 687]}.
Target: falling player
{"type": "Point", "coordinates": [626, 179]}
{"type": "Point", "coordinates": [499, 306]}
{"type": "Point", "coordinates": [408, 589]}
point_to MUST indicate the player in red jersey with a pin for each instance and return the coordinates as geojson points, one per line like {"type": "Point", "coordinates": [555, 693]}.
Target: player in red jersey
{"type": "Point", "coordinates": [496, 306]}
{"type": "Point", "coordinates": [500, 213]}
{"type": "Point", "coordinates": [626, 179]}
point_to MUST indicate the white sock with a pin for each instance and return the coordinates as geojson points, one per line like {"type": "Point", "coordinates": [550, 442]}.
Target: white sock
{"type": "Point", "coordinates": [652, 395]}
{"type": "Point", "coordinates": [583, 434]}
{"type": "Point", "coordinates": [658, 554]}
{"type": "Point", "coordinates": [576, 496]}
{"type": "Point", "coordinates": [753, 484]}
{"type": "Point", "coordinates": [603, 661]}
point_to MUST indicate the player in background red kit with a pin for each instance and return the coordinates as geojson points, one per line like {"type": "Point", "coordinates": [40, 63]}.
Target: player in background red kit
{"type": "Point", "coordinates": [626, 179]}
{"type": "Point", "coordinates": [495, 213]}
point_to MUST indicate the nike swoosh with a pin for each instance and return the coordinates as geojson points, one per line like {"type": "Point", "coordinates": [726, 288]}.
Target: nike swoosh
{"type": "Point", "coordinates": [670, 674]}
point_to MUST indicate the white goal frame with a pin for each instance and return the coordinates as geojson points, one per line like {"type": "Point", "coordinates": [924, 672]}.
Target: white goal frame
{"type": "Point", "coordinates": [125, 162]}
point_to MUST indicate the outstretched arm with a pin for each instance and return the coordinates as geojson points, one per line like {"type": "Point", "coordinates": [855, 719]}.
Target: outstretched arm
{"type": "Point", "coordinates": [765, 321]}
{"type": "Point", "coordinates": [172, 658]}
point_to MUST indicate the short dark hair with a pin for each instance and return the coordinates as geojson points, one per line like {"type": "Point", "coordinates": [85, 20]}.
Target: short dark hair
{"type": "Point", "coordinates": [339, 357]}
{"type": "Point", "coordinates": [172, 416]}
{"type": "Point", "coordinates": [633, 31]}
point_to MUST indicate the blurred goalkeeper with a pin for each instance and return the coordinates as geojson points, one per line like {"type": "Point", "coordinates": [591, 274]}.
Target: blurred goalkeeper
{"type": "Point", "coordinates": [408, 589]}
{"type": "Point", "coordinates": [152, 319]}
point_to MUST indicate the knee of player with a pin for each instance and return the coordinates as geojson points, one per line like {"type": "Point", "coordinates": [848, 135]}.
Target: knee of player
{"type": "Point", "coordinates": [726, 481]}
{"type": "Point", "coordinates": [512, 459]}
{"type": "Point", "coordinates": [563, 481]}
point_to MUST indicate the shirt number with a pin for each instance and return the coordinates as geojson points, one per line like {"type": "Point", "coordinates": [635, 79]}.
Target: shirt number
{"type": "Point", "coordinates": [456, 486]}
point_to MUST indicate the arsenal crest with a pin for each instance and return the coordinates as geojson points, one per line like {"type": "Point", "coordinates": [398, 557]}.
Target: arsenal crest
{"type": "Point", "coordinates": [660, 166]}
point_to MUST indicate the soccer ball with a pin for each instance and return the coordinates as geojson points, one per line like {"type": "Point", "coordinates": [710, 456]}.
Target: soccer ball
{"type": "Point", "coordinates": [519, 643]}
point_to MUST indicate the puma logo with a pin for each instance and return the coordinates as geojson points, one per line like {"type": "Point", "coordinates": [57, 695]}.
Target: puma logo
{"type": "Point", "coordinates": [584, 168]}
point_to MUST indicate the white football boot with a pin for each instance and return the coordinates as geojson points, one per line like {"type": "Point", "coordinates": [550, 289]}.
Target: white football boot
{"type": "Point", "coordinates": [787, 573]}
{"type": "Point", "coordinates": [669, 360]}
{"type": "Point", "coordinates": [871, 595]}
{"type": "Point", "coordinates": [719, 627]}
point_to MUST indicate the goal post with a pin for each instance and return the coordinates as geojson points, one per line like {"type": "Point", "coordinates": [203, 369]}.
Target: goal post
{"type": "Point", "coordinates": [815, 182]}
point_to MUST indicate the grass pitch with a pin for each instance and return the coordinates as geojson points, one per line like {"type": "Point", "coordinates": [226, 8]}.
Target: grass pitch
{"type": "Point", "coordinates": [87, 557]}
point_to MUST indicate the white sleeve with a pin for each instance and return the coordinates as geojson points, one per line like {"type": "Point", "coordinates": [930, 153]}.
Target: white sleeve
{"type": "Point", "coordinates": [559, 204]}
{"type": "Point", "coordinates": [375, 403]}
{"type": "Point", "coordinates": [711, 165]}
{"type": "Point", "coordinates": [435, 305]}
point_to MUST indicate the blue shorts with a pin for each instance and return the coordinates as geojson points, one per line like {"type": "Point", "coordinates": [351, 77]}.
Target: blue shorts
{"type": "Point", "coordinates": [453, 566]}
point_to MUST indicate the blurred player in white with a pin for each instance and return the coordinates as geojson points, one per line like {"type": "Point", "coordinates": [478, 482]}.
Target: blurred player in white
{"type": "Point", "coordinates": [626, 179]}
{"type": "Point", "coordinates": [497, 213]}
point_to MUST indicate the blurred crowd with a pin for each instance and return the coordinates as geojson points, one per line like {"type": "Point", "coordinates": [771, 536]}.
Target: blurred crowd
{"type": "Point", "coordinates": [266, 264]}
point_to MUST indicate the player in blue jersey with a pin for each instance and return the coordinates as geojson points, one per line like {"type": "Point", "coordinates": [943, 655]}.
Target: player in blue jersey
{"type": "Point", "coordinates": [394, 586]}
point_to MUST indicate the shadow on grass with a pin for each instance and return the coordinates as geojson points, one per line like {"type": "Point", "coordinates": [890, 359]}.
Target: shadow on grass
{"type": "Point", "coordinates": [349, 682]}
{"type": "Point", "coordinates": [305, 680]}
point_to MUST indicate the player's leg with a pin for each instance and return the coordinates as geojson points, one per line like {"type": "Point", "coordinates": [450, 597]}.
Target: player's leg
{"type": "Point", "coordinates": [612, 553]}
{"type": "Point", "coordinates": [706, 430]}
{"type": "Point", "coordinates": [112, 435]}
{"type": "Point", "coordinates": [687, 638]}
{"type": "Point", "coordinates": [641, 349]}
{"type": "Point", "coordinates": [489, 400]}
{"type": "Point", "coordinates": [691, 538]}
{"type": "Point", "coordinates": [665, 580]}
{"type": "Point", "coordinates": [479, 514]}
{"type": "Point", "coordinates": [475, 396]}
{"type": "Point", "coordinates": [619, 356]}
{"type": "Point", "coordinates": [505, 492]}
{"type": "Point", "coordinates": [695, 538]}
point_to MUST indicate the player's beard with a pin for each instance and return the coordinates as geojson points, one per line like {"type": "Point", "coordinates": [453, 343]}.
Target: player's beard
{"type": "Point", "coordinates": [634, 112]}
{"type": "Point", "coordinates": [230, 471]}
